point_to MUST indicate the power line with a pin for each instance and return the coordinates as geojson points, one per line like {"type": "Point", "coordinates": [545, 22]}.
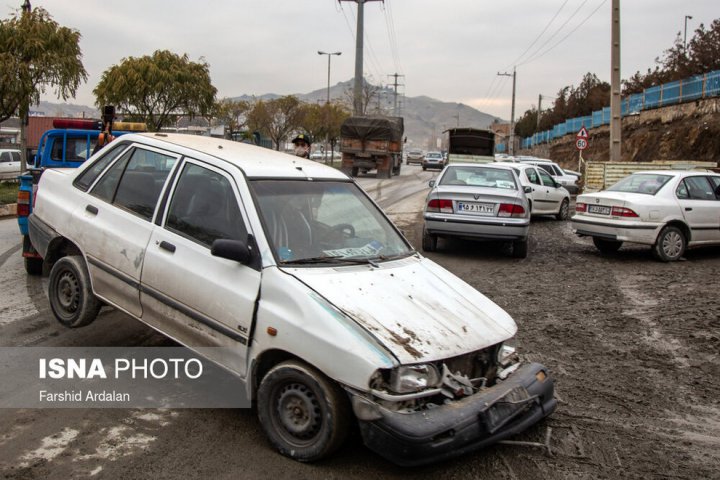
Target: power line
{"type": "Point", "coordinates": [517, 60]}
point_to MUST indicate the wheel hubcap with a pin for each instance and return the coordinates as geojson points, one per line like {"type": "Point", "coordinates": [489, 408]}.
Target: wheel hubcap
{"type": "Point", "coordinates": [68, 292]}
{"type": "Point", "coordinates": [672, 244]}
{"type": "Point", "coordinates": [298, 411]}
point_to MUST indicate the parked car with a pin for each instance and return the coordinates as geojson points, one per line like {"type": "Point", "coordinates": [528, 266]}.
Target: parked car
{"type": "Point", "coordinates": [669, 210]}
{"type": "Point", "coordinates": [545, 195]}
{"type": "Point", "coordinates": [566, 180]}
{"type": "Point", "coordinates": [9, 163]}
{"type": "Point", "coordinates": [414, 155]}
{"type": "Point", "coordinates": [433, 160]}
{"type": "Point", "coordinates": [478, 202]}
{"type": "Point", "coordinates": [320, 303]}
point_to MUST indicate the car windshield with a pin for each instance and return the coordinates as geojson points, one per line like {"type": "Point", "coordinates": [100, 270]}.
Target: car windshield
{"type": "Point", "coordinates": [316, 222]}
{"type": "Point", "coordinates": [647, 183]}
{"type": "Point", "coordinates": [479, 176]}
{"type": "Point", "coordinates": [434, 155]}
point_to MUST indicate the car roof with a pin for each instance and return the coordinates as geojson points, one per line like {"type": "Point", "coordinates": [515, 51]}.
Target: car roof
{"type": "Point", "coordinates": [674, 173]}
{"type": "Point", "coordinates": [496, 165]}
{"type": "Point", "coordinates": [254, 161]}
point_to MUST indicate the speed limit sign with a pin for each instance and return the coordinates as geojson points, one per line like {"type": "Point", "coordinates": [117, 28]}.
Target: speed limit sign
{"type": "Point", "coordinates": [581, 143]}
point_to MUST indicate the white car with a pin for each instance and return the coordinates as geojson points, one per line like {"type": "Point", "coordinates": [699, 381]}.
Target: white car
{"type": "Point", "coordinates": [569, 181]}
{"type": "Point", "coordinates": [9, 163]}
{"type": "Point", "coordinates": [545, 194]}
{"type": "Point", "coordinates": [314, 299]}
{"type": "Point", "coordinates": [669, 210]}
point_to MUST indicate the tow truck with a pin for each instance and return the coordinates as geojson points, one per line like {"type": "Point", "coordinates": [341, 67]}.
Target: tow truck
{"type": "Point", "coordinates": [67, 145]}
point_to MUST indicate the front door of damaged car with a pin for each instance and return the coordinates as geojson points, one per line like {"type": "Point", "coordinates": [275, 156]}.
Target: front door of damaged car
{"type": "Point", "coordinates": [200, 299]}
{"type": "Point", "coordinates": [700, 207]}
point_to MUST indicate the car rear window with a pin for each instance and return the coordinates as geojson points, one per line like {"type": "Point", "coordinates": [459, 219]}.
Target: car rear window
{"type": "Point", "coordinates": [646, 183]}
{"type": "Point", "coordinates": [479, 176]}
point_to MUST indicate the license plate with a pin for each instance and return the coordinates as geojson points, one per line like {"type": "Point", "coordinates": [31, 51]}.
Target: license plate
{"type": "Point", "coordinates": [599, 209]}
{"type": "Point", "coordinates": [477, 208]}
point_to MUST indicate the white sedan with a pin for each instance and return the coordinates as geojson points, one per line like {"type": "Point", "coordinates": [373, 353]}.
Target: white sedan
{"type": "Point", "coordinates": [9, 163]}
{"type": "Point", "coordinates": [669, 210]}
{"type": "Point", "coordinates": [545, 194]}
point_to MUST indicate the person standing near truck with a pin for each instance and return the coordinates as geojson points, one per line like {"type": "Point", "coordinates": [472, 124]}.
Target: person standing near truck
{"type": "Point", "coordinates": [302, 145]}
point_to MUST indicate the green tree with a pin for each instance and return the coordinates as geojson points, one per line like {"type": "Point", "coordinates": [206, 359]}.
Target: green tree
{"type": "Point", "coordinates": [157, 88]}
{"type": "Point", "coordinates": [232, 113]}
{"type": "Point", "coordinates": [527, 124]}
{"type": "Point", "coordinates": [276, 118]}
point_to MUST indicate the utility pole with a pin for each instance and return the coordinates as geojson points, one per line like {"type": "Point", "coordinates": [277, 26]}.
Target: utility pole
{"type": "Point", "coordinates": [24, 110]}
{"type": "Point", "coordinates": [615, 99]}
{"type": "Point", "coordinates": [327, 102]}
{"type": "Point", "coordinates": [511, 149]}
{"type": "Point", "coordinates": [328, 82]}
{"type": "Point", "coordinates": [359, 34]}
{"type": "Point", "coordinates": [537, 127]}
{"type": "Point", "coordinates": [395, 96]}
{"type": "Point", "coordinates": [687, 17]}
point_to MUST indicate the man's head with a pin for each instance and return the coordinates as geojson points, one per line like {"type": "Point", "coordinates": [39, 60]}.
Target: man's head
{"type": "Point", "coordinates": [302, 145]}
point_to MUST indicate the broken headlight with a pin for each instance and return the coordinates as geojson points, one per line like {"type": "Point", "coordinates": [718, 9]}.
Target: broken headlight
{"type": "Point", "coordinates": [507, 355]}
{"type": "Point", "coordinates": [413, 378]}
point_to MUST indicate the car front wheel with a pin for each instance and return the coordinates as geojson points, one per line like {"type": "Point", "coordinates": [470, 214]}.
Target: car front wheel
{"type": "Point", "coordinates": [564, 212]}
{"type": "Point", "coordinates": [305, 415]}
{"type": "Point", "coordinates": [71, 298]}
{"type": "Point", "coordinates": [670, 244]}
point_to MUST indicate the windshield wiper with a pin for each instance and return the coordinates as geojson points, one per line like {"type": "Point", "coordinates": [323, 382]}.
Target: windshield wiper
{"type": "Point", "coordinates": [334, 259]}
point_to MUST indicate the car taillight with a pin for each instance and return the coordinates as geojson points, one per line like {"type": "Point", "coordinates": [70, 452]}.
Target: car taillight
{"type": "Point", "coordinates": [580, 207]}
{"type": "Point", "coordinates": [623, 212]}
{"type": "Point", "coordinates": [23, 203]}
{"type": "Point", "coordinates": [440, 206]}
{"type": "Point", "coordinates": [511, 210]}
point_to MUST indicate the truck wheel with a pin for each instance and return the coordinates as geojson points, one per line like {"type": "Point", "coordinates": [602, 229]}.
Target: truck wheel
{"type": "Point", "coordinates": [305, 415]}
{"type": "Point", "coordinates": [71, 298]}
{"type": "Point", "coordinates": [429, 241]}
{"type": "Point", "coordinates": [606, 246]}
{"type": "Point", "coordinates": [33, 266]}
{"type": "Point", "coordinates": [670, 244]}
{"type": "Point", "coordinates": [520, 249]}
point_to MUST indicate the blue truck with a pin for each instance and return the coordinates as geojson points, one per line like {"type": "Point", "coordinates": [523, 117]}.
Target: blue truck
{"type": "Point", "coordinates": [67, 145]}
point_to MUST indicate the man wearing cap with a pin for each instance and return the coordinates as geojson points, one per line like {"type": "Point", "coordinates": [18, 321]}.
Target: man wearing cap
{"type": "Point", "coordinates": [302, 145]}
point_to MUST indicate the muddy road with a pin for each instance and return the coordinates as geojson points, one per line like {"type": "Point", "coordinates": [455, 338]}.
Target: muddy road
{"type": "Point", "coordinates": [633, 344]}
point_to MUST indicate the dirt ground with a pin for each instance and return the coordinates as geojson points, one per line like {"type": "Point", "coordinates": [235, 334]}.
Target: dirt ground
{"type": "Point", "coordinates": [632, 343]}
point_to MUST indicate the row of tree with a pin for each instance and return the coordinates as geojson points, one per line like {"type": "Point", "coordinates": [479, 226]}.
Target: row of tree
{"type": "Point", "coordinates": [701, 55]}
{"type": "Point", "coordinates": [36, 53]}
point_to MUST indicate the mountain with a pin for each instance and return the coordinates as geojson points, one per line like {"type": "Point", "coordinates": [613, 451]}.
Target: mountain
{"type": "Point", "coordinates": [425, 118]}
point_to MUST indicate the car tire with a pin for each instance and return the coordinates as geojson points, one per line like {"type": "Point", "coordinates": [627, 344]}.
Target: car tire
{"type": "Point", "coordinates": [429, 241]}
{"type": "Point", "coordinates": [520, 249]}
{"type": "Point", "coordinates": [606, 246]}
{"type": "Point", "coordinates": [564, 212]}
{"type": "Point", "coordinates": [71, 298]}
{"type": "Point", "coordinates": [304, 415]}
{"type": "Point", "coordinates": [33, 266]}
{"type": "Point", "coordinates": [670, 244]}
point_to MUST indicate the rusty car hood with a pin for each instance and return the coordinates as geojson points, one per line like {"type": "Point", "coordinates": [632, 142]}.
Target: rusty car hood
{"type": "Point", "coordinates": [416, 309]}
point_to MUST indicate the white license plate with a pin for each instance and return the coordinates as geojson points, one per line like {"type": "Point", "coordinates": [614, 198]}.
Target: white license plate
{"type": "Point", "coordinates": [599, 209]}
{"type": "Point", "coordinates": [477, 208]}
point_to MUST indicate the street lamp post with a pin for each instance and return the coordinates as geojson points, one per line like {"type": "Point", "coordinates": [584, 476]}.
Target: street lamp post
{"type": "Point", "coordinates": [687, 17]}
{"type": "Point", "coordinates": [327, 102]}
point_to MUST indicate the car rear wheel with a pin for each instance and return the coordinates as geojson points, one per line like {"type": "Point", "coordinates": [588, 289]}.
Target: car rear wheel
{"type": "Point", "coordinates": [305, 415]}
{"type": "Point", "coordinates": [606, 246]}
{"type": "Point", "coordinates": [564, 212]}
{"type": "Point", "coordinates": [429, 241]}
{"type": "Point", "coordinates": [670, 244]}
{"type": "Point", "coordinates": [33, 266]}
{"type": "Point", "coordinates": [520, 249]}
{"type": "Point", "coordinates": [71, 298]}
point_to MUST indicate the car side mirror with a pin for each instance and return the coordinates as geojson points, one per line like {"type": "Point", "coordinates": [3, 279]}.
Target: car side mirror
{"type": "Point", "coordinates": [235, 250]}
{"type": "Point", "coordinates": [431, 183]}
{"type": "Point", "coordinates": [527, 189]}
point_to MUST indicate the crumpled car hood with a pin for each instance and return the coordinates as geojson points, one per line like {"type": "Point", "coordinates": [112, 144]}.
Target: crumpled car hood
{"type": "Point", "coordinates": [418, 310]}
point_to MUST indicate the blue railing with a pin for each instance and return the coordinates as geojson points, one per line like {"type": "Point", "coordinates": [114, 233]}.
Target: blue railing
{"type": "Point", "coordinates": [673, 93]}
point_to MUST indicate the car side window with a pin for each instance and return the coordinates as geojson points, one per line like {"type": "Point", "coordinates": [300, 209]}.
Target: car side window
{"type": "Point", "coordinates": [204, 207]}
{"type": "Point", "coordinates": [715, 182]}
{"type": "Point", "coordinates": [533, 176]}
{"type": "Point", "coordinates": [5, 157]}
{"type": "Point", "coordinates": [682, 191]}
{"type": "Point", "coordinates": [546, 179]}
{"type": "Point", "coordinates": [105, 188]}
{"type": "Point", "coordinates": [86, 178]}
{"type": "Point", "coordinates": [699, 188]}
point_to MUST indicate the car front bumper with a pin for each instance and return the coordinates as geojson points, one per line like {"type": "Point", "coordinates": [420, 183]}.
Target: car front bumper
{"type": "Point", "coordinates": [446, 431]}
{"type": "Point", "coordinates": [618, 230]}
{"type": "Point", "coordinates": [487, 228]}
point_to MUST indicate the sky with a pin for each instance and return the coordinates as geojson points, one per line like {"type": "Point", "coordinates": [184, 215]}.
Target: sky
{"type": "Point", "coordinates": [450, 50]}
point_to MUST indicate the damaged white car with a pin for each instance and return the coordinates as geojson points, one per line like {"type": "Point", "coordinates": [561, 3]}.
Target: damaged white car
{"type": "Point", "coordinates": [331, 314]}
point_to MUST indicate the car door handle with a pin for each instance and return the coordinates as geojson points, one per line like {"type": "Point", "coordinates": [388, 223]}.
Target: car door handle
{"type": "Point", "coordinates": [688, 209]}
{"type": "Point", "coordinates": [167, 246]}
{"type": "Point", "coordinates": [92, 209]}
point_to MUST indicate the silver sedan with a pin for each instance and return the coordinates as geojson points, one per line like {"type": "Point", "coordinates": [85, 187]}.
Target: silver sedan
{"type": "Point", "coordinates": [479, 202]}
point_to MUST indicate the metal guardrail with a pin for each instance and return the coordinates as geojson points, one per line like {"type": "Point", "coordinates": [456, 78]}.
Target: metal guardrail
{"type": "Point", "coordinates": [673, 93]}
{"type": "Point", "coordinates": [601, 175]}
